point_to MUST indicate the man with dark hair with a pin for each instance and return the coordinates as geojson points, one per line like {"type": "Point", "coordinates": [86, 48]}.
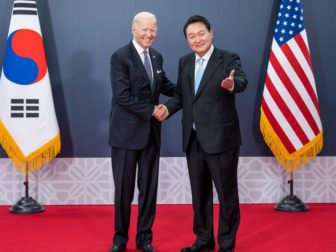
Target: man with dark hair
{"type": "Point", "coordinates": [208, 80]}
{"type": "Point", "coordinates": [137, 79]}
{"type": "Point", "coordinates": [195, 19]}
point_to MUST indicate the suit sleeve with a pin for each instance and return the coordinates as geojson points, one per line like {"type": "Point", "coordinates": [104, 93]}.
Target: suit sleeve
{"type": "Point", "coordinates": [240, 81]}
{"type": "Point", "coordinates": [175, 103]}
{"type": "Point", "coordinates": [122, 90]}
{"type": "Point", "coordinates": [167, 87]}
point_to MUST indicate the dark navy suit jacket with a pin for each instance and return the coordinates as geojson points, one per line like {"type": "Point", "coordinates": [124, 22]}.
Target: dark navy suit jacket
{"type": "Point", "coordinates": [133, 98]}
{"type": "Point", "coordinates": [212, 108]}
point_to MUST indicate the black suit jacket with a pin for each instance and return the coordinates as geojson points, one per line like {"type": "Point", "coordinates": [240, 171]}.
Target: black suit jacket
{"type": "Point", "coordinates": [133, 98]}
{"type": "Point", "coordinates": [213, 108]}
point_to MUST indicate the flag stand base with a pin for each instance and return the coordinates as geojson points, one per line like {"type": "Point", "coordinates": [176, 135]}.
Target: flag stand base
{"type": "Point", "coordinates": [26, 205]}
{"type": "Point", "coordinates": [291, 203]}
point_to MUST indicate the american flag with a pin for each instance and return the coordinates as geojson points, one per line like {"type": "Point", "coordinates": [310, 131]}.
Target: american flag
{"type": "Point", "coordinates": [290, 115]}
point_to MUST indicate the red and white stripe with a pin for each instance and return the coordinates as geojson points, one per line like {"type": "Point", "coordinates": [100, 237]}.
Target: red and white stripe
{"type": "Point", "coordinates": [290, 100]}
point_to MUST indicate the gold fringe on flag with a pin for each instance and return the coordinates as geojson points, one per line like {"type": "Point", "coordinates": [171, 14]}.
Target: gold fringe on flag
{"type": "Point", "coordinates": [36, 159]}
{"type": "Point", "coordinates": [289, 162]}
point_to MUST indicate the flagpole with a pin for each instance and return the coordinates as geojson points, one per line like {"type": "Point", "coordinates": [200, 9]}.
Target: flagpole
{"type": "Point", "coordinates": [26, 184]}
{"type": "Point", "coordinates": [29, 129]}
{"type": "Point", "coordinates": [26, 205]}
{"type": "Point", "coordinates": [291, 203]}
{"type": "Point", "coordinates": [290, 115]}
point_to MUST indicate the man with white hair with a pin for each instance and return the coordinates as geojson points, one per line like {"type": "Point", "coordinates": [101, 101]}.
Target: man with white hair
{"type": "Point", "coordinates": [137, 79]}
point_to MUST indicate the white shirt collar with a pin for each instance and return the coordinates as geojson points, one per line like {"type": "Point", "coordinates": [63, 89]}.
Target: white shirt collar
{"type": "Point", "coordinates": [138, 47]}
{"type": "Point", "coordinates": [206, 56]}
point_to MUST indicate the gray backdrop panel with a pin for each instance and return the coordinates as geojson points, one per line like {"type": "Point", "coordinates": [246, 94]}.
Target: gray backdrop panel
{"type": "Point", "coordinates": [80, 36]}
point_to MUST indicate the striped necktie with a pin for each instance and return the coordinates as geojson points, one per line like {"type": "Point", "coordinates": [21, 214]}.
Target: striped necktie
{"type": "Point", "coordinates": [148, 67]}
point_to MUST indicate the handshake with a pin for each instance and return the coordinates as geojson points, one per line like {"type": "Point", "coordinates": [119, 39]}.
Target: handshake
{"type": "Point", "coordinates": [160, 112]}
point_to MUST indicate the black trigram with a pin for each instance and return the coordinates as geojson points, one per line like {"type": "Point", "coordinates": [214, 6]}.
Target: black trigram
{"type": "Point", "coordinates": [21, 108]}
{"type": "Point", "coordinates": [24, 8]}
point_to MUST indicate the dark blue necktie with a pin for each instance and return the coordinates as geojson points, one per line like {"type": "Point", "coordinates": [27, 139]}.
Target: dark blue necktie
{"type": "Point", "coordinates": [148, 67]}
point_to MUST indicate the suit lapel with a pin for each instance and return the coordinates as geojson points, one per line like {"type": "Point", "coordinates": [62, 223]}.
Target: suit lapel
{"type": "Point", "coordinates": [191, 74]}
{"type": "Point", "coordinates": [213, 64]}
{"type": "Point", "coordinates": [138, 62]}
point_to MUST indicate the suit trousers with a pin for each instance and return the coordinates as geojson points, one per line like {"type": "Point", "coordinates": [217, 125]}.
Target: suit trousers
{"type": "Point", "coordinates": [221, 169]}
{"type": "Point", "coordinates": [124, 166]}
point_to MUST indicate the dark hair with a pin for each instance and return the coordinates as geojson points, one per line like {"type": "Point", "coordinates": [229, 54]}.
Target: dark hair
{"type": "Point", "coordinates": [195, 19]}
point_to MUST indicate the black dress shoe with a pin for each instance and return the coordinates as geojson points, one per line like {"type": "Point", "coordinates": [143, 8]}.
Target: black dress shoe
{"type": "Point", "coordinates": [148, 248]}
{"type": "Point", "coordinates": [198, 248]}
{"type": "Point", "coordinates": [225, 250]}
{"type": "Point", "coordinates": [118, 248]}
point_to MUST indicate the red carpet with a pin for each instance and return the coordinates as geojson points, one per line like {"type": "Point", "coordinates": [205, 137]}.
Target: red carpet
{"type": "Point", "coordinates": [90, 229]}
